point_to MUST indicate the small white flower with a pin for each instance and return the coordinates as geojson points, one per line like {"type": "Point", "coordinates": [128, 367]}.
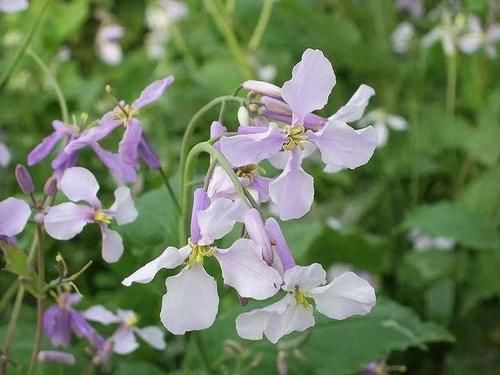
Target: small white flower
{"type": "Point", "coordinates": [108, 45]}
{"type": "Point", "coordinates": [422, 241]}
{"type": "Point", "coordinates": [475, 38]}
{"type": "Point", "coordinates": [402, 36]}
{"type": "Point", "coordinates": [13, 6]}
{"type": "Point", "coordinates": [382, 120]}
{"type": "Point", "coordinates": [5, 155]}
{"type": "Point", "coordinates": [447, 32]}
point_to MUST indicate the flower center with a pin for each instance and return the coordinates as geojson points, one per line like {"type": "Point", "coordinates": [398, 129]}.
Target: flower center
{"type": "Point", "coordinates": [247, 172]}
{"type": "Point", "coordinates": [302, 298]}
{"type": "Point", "coordinates": [102, 217]}
{"type": "Point", "coordinates": [296, 135]}
{"type": "Point", "coordinates": [125, 113]}
{"type": "Point", "coordinates": [131, 320]}
{"type": "Point", "coordinates": [198, 253]}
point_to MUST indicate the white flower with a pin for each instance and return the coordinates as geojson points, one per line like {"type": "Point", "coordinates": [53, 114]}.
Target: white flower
{"type": "Point", "coordinates": [447, 32]}
{"type": "Point", "coordinates": [5, 155]}
{"type": "Point", "coordinates": [382, 120]}
{"type": "Point", "coordinates": [345, 296]}
{"type": "Point", "coordinates": [12, 6]}
{"type": "Point", "coordinates": [422, 241]}
{"type": "Point", "coordinates": [108, 45]}
{"type": "Point", "coordinates": [475, 38]}
{"type": "Point", "coordinates": [402, 36]}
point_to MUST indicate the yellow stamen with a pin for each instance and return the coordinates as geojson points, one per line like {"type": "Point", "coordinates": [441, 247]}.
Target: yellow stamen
{"type": "Point", "coordinates": [247, 171]}
{"type": "Point", "coordinates": [125, 113]}
{"type": "Point", "coordinates": [102, 217]}
{"type": "Point", "coordinates": [132, 320]}
{"type": "Point", "coordinates": [198, 253]}
{"type": "Point", "coordinates": [302, 298]}
{"type": "Point", "coordinates": [296, 135]}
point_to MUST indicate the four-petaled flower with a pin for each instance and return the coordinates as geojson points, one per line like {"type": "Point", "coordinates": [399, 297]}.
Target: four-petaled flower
{"type": "Point", "coordinates": [64, 221]}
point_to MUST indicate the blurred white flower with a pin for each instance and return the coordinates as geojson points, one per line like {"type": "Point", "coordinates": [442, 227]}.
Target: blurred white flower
{"type": "Point", "coordinates": [475, 38]}
{"type": "Point", "coordinates": [413, 7]}
{"type": "Point", "coordinates": [12, 6]}
{"type": "Point", "coordinates": [422, 241]}
{"type": "Point", "coordinates": [108, 45]}
{"type": "Point", "coordinates": [447, 32]}
{"type": "Point", "coordinates": [64, 54]}
{"type": "Point", "coordinates": [267, 72]}
{"type": "Point", "coordinates": [4, 155]}
{"type": "Point", "coordinates": [12, 38]}
{"type": "Point", "coordinates": [382, 120]}
{"type": "Point", "coordinates": [402, 36]}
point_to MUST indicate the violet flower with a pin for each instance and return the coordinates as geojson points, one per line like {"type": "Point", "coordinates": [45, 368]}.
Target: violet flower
{"type": "Point", "coordinates": [64, 221]}
{"type": "Point", "coordinates": [345, 296]}
{"type": "Point", "coordinates": [123, 339]}
{"type": "Point", "coordinates": [108, 43]}
{"type": "Point", "coordinates": [134, 143]}
{"type": "Point", "coordinates": [14, 214]}
{"type": "Point", "coordinates": [340, 145]}
{"type": "Point", "coordinates": [5, 155]}
{"type": "Point", "coordinates": [191, 301]}
{"type": "Point", "coordinates": [61, 321]}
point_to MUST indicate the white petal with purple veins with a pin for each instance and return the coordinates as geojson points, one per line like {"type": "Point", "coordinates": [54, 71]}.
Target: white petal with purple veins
{"type": "Point", "coordinates": [66, 220]}
{"type": "Point", "coordinates": [14, 214]}
{"type": "Point", "coordinates": [79, 184]}
{"type": "Point", "coordinates": [153, 335]}
{"type": "Point", "coordinates": [100, 314]}
{"type": "Point", "coordinates": [124, 341]}
{"type": "Point", "coordinates": [355, 107]}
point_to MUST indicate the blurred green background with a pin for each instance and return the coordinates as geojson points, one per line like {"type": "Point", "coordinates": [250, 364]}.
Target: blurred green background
{"type": "Point", "coordinates": [437, 182]}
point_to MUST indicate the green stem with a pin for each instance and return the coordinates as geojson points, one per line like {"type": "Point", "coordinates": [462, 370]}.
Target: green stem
{"type": "Point", "coordinates": [203, 353]}
{"type": "Point", "coordinates": [27, 41]}
{"type": "Point", "coordinates": [230, 37]}
{"type": "Point", "coordinates": [39, 301]}
{"type": "Point", "coordinates": [260, 28]}
{"type": "Point", "coordinates": [451, 84]}
{"type": "Point", "coordinates": [170, 189]}
{"type": "Point", "coordinates": [9, 293]}
{"type": "Point", "coordinates": [11, 329]}
{"type": "Point", "coordinates": [59, 93]}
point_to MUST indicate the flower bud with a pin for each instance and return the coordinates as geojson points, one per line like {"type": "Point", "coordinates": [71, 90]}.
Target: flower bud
{"type": "Point", "coordinates": [24, 179]}
{"type": "Point", "coordinates": [243, 116]}
{"type": "Point", "coordinates": [50, 187]}
{"type": "Point", "coordinates": [56, 356]}
{"type": "Point", "coordinates": [263, 88]}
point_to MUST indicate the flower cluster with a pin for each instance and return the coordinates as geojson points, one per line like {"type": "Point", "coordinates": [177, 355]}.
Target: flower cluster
{"type": "Point", "coordinates": [276, 124]}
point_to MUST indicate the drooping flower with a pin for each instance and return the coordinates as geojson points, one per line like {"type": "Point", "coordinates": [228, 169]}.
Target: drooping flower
{"type": "Point", "coordinates": [14, 214]}
{"type": "Point", "coordinates": [124, 338]}
{"type": "Point", "coordinates": [13, 6]}
{"type": "Point", "coordinates": [401, 37]}
{"type": "Point", "coordinates": [108, 45]}
{"type": "Point", "coordinates": [134, 143]}
{"type": "Point", "coordinates": [62, 321]}
{"type": "Point", "coordinates": [340, 145]}
{"type": "Point", "coordinates": [345, 296]}
{"type": "Point", "coordinates": [5, 155]}
{"type": "Point", "coordinates": [64, 221]}
{"type": "Point", "coordinates": [475, 38]}
{"type": "Point", "coordinates": [382, 121]}
{"type": "Point", "coordinates": [191, 301]}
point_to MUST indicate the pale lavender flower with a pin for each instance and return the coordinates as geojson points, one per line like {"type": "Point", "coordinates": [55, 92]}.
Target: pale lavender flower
{"type": "Point", "coordinates": [5, 155]}
{"type": "Point", "coordinates": [62, 321]}
{"type": "Point", "coordinates": [345, 296]}
{"type": "Point", "coordinates": [422, 241]}
{"type": "Point", "coordinates": [64, 221]}
{"type": "Point", "coordinates": [401, 37]}
{"type": "Point", "coordinates": [414, 7]}
{"type": "Point", "coordinates": [108, 45]}
{"type": "Point", "coordinates": [14, 214]}
{"type": "Point", "coordinates": [13, 6]}
{"type": "Point", "coordinates": [134, 144]}
{"type": "Point", "coordinates": [475, 38]}
{"type": "Point", "coordinates": [382, 122]}
{"type": "Point", "coordinates": [191, 301]}
{"type": "Point", "coordinates": [339, 144]}
{"type": "Point", "coordinates": [447, 32]}
{"type": "Point", "coordinates": [123, 339]}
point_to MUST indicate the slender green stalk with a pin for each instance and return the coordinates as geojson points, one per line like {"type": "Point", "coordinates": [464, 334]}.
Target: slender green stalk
{"type": "Point", "coordinates": [260, 28]}
{"type": "Point", "coordinates": [230, 37]}
{"type": "Point", "coordinates": [9, 293]}
{"type": "Point", "coordinates": [203, 353]}
{"type": "Point", "coordinates": [40, 301]}
{"type": "Point", "coordinates": [59, 93]}
{"type": "Point", "coordinates": [26, 42]}
{"type": "Point", "coordinates": [11, 329]}
{"type": "Point", "coordinates": [451, 84]}
{"type": "Point", "coordinates": [170, 189]}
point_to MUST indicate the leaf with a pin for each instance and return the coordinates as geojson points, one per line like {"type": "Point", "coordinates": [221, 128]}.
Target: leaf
{"type": "Point", "coordinates": [453, 220]}
{"type": "Point", "coordinates": [16, 261]}
{"type": "Point", "coordinates": [137, 367]}
{"type": "Point", "coordinates": [479, 196]}
{"type": "Point", "coordinates": [156, 225]}
{"type": "Point", "coordinates": [300, 236]}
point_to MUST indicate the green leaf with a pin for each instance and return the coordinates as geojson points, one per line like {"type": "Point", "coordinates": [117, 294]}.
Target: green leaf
{"type": "Point", "coordinates": [16, 261]}
{"type": "Point", "coordinates": [481, 196]}
{"type": "Point", "coordinates": [455, 221]}
{"type": "Point", "coordinates": [137, 367]}
{"type": "Point", "coordinates": [300, 236]}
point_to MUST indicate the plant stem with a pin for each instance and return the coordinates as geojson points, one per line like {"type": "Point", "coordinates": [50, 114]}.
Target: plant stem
{"type": "Point", "coordinates": [11, 328]}
{"type": "Point", "coordinates": [27, 41]}
{"type": "Point", "coordinates": [39, 300]}
{"type": "Point", "coordinates": [9, 293]}
{"type": "Point", "coordinates": [59, 93]}
{"type": "Point", "coordinates": [451, 84]}
{"type": "Point", "coordinates": [260, 28]}
{"type": "Point", "coordinates": [170, 189]}
{"type": "Point", "coordinates": [230, 37]}
{"type": "Point", "coordinates": [203, 353]}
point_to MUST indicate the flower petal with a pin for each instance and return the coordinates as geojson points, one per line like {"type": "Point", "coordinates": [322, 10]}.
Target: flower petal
{"type": "Point", "coordinates": [5, 156]}
{"type": "Point", "coordinates": [170, 258]}
{"type": "Point", "coordinates": [312, 81]}
{"type": "Point", "coordinates": [244, 269]}
{"type": "Point", "coordinates": [275, 234]}
{"type": "Point", "coordinates": [124, 341]}
{"type": "Point", "coordinates": [148, 154]}
{"type": "Point", "coordinates": [79, 184]}
{"type": "Point", "coordinates": [293, 190]}
{"type": "Point", "coordinates": [340, 144]}
{"type": "Point", "coordinates": [123, 209]}
{"type": "Point", "coordinates": [153, 92]}
{"type": "Point", "coordinates": [397, 122]}
{"type": "Point", "coordinates": [153, 335]}
{"type": "Point", "coordinates": [345, 296]}
{"type": "Point", "coordinates": [355, 107]}
{"type": "Point", "coordinates": [219, 218]}
{"type": "Point", "coordinates": [191, 302]}
{"type": "Point", "coordinates": [129, 145]}
{"type": "Point", "coordinates": [251, 148]}
{"type": "Point", "coordinates": [101, 314]}
{"type": "Point", "coordinates": [66, 220]}
{"type": "Point", "coordinates": [124, 171]}
{"type": "Point", "coordinates": [112, 245]}
{"type": "Point", "coordinates": [41, 151]}
{"type": "Point", "coordinates": [14, 214]}
{"type": "Point", "coordinates": [304, 277]}
{"type": "Point", "coordinates": [257, 233]}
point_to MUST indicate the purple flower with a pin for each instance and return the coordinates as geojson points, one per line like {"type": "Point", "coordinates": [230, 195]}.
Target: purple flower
{"type": "Point", "coordinates": [14, 214]}
{"type": "Point", "coordinates": [61, 321]}
{"type": "Point", "coordinates": [133, 143]}
{"type": "Point", "coordinates": [340, 145]}
{"type": "Point", "coordinates": [123, 339]}
{"type": "Point", "coordinates": [64, 221]}
{"type": "Point", "coordinates": [191, 301]}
